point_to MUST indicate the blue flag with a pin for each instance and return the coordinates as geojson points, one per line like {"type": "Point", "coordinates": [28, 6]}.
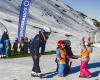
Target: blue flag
{"type": "Point", "coordinates": [23, 18]}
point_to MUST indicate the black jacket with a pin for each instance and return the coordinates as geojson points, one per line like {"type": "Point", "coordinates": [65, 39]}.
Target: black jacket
{"type": "Point", "coordinates": [37, 44]}
{"type": "Point", "coordinates": [69, 51]}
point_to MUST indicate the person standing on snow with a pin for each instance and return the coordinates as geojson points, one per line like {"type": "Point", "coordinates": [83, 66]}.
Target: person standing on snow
{"type": "Point", "coordinates": [5, 36]}
{"type": "Point", "coordinates": [86, 49]}
{"type": "Point", "coordinates": [15, 46]}
{"type": "Point", "coordinates": [70, 56]}
{"type": "Point", "coordinates": [37, 47]}
{"type": "Point", "coordinates": [61, 58]}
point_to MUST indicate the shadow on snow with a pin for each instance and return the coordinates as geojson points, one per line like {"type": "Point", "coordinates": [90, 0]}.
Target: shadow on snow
{"type": "Point", "coordinates": [75, 70]}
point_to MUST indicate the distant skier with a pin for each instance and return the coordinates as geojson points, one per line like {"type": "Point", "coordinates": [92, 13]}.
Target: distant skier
{"type": "Point", "coordinates": [15, 46]}
{"type": "Point", "coordinates": [36, 45]}
{"type": "Point", "coordinates": [5, 37]}
{"type": "Point", "coordinates": [85, 57]}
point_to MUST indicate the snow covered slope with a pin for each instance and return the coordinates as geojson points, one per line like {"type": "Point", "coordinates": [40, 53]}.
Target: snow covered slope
{"type": "Point", "coordinates": [52, 13]}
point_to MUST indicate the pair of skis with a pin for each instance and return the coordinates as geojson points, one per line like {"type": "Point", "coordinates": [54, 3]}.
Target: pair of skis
{"type": "Point", "coordinates": [40, 76]}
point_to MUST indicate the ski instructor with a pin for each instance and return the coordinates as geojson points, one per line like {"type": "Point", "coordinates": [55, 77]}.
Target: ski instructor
{"type": "Point", "coordinates": [37, 48]}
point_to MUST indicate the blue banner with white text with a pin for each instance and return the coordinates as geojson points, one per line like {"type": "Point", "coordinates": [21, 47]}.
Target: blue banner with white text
{"type": "Point", "coordinates": [24, 10]}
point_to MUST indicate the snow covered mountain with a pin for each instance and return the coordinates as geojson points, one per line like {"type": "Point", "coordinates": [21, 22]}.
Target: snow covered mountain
{"type": "Point", "coordinates": [63, 19]}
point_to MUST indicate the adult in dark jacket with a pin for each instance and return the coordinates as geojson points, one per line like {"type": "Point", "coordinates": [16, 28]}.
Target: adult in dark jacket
{"type": "Point", "coordinates": [36, 45]}
{"type": "Point", "coordinates": [5, 36]}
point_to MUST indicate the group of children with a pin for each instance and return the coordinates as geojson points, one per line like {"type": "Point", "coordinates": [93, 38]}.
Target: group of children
{"type": "Point", "coordinates": [5, 45]}
{"type": "Point", "coordinates": [64, 54]}
{"type": "Point", "coordinates": [23, 45]}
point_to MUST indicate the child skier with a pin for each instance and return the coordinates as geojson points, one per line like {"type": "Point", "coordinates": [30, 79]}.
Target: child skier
{"type": "Point", "coordinates": [26, 46]}
{"type": "Point", "coordinates": [8, 48]}
{"type": "Point", "coordinates": [69, 55]}
{"type": "Point", "coordinates": [1, 48]}
{"type": "Point", "coordinates": [15, 46]}
{"type": "Point", "coordinates": [61, 58]}
{"type": "Point", "coordinates": [85, 51]}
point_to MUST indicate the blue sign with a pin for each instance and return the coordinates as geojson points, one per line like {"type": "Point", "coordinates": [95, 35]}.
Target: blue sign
{"type": "Point", "coordinates": [23, 18]}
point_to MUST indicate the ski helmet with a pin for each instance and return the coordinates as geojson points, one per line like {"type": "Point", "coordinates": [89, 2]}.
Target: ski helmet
{"type": "Point", "coordinates": [86, 43]}
{"type": "Point", "coordinates": [60, 43]}
{"type": "Point", "coordinates": [46, 29]}
{"type": "Point", "coordinates": [67, 42]}
{"type": "Point", "coordinates": [5, 30]}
